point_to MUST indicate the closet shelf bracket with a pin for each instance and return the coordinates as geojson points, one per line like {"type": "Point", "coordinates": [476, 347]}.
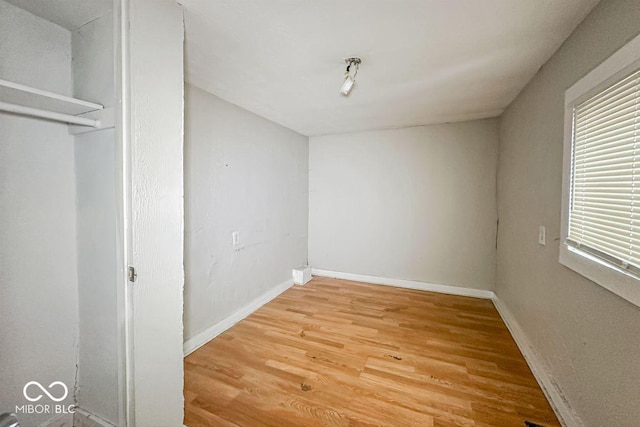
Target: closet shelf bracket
{"type": "Point", "coordinates": [104, 119]}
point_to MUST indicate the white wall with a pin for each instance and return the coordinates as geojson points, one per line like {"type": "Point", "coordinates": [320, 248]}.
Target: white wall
{"type": "Point", "coordinates": [38, 279]}
{"type": "Point", "coordinates": [156, 102]}
{"type": "Point", "coordinates": [242, 173]}
{"type": "Point", "coordinates": [586, 336]}
{"type": "Point", "coordinates": [415, 203]}
{"type": "Point", "coordinates": [98, 357]}
{"type": "Point", "coordinates": [95, 163]}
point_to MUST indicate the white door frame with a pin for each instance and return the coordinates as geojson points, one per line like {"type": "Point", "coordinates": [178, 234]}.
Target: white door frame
{"type": "Point", "coordinates": [126, 396]}
{"type": "Point", "coordinates": [152, 84]}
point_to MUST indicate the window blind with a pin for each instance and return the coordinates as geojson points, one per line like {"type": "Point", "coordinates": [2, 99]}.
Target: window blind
{"type": "Point", "coordinates": [604, 217]}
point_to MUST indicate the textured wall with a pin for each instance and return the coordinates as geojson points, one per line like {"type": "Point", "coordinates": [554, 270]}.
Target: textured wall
{"type": "Point", "coordinates": [38, 281]}
{"type": "Point", "coordinates": [242, 173]}
{"type": "Point", "coordinates": [587, 335]}
{"type": "Point", "coordinates": [415, 203]}
{"type": "Point", "coordinates": [157, 203]}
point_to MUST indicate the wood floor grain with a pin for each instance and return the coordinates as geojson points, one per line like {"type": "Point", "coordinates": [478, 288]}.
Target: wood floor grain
{"type": "Point", "coordinates": [341, 353]}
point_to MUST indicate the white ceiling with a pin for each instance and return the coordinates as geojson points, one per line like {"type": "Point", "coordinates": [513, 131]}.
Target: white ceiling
{"type": "Point", "coordinates": [424, 61]}
{"type": "Point", "coordinates": [70, 14]}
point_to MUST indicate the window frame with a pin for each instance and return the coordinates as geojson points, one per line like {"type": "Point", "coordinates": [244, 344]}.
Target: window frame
{"type": "Point", "coordinates": [597, 270]}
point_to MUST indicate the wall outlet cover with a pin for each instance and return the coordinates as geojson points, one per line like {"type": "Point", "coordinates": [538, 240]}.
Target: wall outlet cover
{"type": "Point", "coordinates": [542, 235]}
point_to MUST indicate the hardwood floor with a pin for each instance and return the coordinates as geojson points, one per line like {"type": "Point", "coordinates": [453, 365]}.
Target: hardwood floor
{"type": "Point", "coordinates": [341, 353]}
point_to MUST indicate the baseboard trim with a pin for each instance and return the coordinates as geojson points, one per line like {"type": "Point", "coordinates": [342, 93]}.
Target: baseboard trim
{"type": "Point", "coordinates": [79, 418]}
{"type": "Point", "coordinates": [84, 418]}
{"type": "Point", "coordinates": [62, 420]}
{"type": "Point", "coordinates": [409, 284]}
{"type": "Point", "coordinates": [566, 415]}
{"type": "Point", "coordinates": [200, 339]}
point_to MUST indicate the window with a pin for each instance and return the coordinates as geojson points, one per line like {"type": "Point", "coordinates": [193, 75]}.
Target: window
{"type": "Point", "coordinates": [601, 194]}
{"type": "Point", "coordinates": [604, 210]}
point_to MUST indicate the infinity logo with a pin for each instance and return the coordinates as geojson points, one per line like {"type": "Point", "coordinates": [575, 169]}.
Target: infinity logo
{"type": "Point", "coordinates": [38, 385]}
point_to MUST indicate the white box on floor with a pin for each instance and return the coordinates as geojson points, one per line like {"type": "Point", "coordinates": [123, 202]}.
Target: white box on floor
{"type": "Point", "coordinates": [301, 275]}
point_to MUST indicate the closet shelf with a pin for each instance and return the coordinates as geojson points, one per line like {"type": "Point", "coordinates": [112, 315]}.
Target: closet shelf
{"type": "Point", "coordinates": [26, 96]}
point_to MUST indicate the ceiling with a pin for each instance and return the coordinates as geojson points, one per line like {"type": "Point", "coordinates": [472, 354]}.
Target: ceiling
{"type": "Point", "coordinates": [424, 61]}
{"type": "Point", "coordinates": [69, 14]}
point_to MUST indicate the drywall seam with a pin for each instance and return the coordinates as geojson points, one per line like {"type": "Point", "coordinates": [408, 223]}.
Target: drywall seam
{"type": "Point", "coordinates": [566, 415]}
{"type": "Point", "coordinates": [409, 284]}
{"type": "Point", "coordinates": [200, 339]}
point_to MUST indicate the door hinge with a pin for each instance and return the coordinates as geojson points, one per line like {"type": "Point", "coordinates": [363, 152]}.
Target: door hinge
{"type": "Point", "coordinates": [132, 274]}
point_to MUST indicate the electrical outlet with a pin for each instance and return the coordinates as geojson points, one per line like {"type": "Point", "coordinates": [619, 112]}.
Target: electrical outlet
{"type": "Point", "coordinates": [542, 238]}
{"type": "Point", "coordinates": [235, 238]}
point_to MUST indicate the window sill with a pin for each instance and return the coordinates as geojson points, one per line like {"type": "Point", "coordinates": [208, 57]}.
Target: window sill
{"type": "Point", "coordinates": [603, 274]}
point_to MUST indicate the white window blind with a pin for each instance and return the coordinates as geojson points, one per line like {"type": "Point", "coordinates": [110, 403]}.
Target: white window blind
{"type": "Point", "coordinates": [604, 214]}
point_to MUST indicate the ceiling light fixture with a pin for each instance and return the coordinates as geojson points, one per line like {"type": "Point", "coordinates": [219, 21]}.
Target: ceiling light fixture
{"type": "Point", "coordinates": [353, 64]}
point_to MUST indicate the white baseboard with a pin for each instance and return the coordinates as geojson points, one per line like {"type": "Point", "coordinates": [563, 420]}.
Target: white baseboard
{"type": "Point", "coordinates": [566, 415]}
{"type": "Point", "coordinates": [84, 418]}
{"type": "Point", "coordinates": [200, 339]}
{"type": "Point", "coordinates": [409, 284]}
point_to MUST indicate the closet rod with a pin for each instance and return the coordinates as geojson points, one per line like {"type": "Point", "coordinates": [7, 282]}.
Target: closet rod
{"type": "Point", "coordinates": [35, 112]}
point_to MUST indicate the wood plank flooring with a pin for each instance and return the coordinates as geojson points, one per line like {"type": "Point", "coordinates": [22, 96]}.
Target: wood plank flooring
{"type": "Point", "coordinates": [341, 353]}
